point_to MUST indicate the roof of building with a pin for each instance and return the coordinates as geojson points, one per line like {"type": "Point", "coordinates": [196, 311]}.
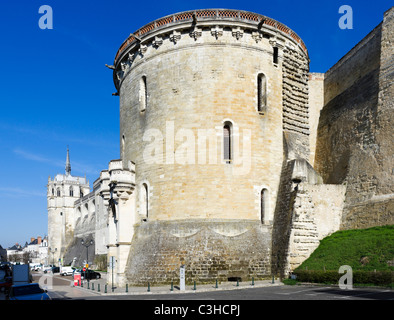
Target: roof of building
{"type": "Point", "coordinates": [15, 247]}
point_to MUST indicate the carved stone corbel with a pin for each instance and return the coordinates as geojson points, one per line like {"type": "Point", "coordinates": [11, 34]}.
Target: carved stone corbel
{"type": "Point", "coordinates": [237, 33]}
{"type": "Point", "coordinates": [257, 36]}
{"type": "Point", "coordinates": [175, 36]}
{"type": "Point", "coordinates": [157, 42]}
{"type": "Point", "coordinates": [216, 32]}
{"type": "Point", "coordinates": [195, 33]}
{"type": "Point", "coordinates": [142, 49]}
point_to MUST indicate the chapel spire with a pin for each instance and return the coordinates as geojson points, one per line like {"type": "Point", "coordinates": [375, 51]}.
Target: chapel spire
{"type": "Point", "coordinates": [68, 165]}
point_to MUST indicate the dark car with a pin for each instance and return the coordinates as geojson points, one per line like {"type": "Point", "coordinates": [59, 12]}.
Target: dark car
{"type": "Point", "coordinates": [30, 291]}
{"type": "Point", "coordinates": [53, 270]}
{"type": "Point", "coordinates": [90, 274]}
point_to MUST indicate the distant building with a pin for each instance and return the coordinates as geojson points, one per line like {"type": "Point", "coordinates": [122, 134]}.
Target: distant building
{"type": "Point", "coordinates": [36, 251]}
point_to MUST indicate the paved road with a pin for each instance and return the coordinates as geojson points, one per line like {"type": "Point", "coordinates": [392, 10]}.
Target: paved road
{"type": "Point", "coordinates": [267, 293]}
{"type": "Point", "coordinates": [61, 288]}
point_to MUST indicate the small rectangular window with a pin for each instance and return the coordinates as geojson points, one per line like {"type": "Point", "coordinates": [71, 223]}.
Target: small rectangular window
{"type": "Point", "coordinates": [276, 53]}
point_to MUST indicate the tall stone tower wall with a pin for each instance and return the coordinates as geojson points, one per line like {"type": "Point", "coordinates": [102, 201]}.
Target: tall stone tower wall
{"type": "Point", "coordinates": [62, 192]}
{"type": "Point", "coordinates": [182, 80]}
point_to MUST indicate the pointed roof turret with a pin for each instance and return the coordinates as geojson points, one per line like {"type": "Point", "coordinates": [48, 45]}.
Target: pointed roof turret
{"type": "Point", "coordinates": [68, 164]}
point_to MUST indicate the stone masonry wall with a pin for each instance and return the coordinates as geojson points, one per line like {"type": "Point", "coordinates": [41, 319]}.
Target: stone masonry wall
{"type": "Point", "coordinates": [317, 211]}
{"type": "Point", "coordinates": [295, 100]}
{"type": "Point", "coordinates": [354, 144]}
{"type": "Point", "coordinates": [195, 86]}
{"type": "Point", "coordinates": [209, 250]}
{"type": "Point", "coordinates": [306, 212]}
{"type": "Point", "coordinates": [282, 220]}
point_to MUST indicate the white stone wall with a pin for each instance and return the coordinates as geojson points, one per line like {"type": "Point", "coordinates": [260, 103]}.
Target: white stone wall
{"type": "Point", "coordinates": [317, 212]}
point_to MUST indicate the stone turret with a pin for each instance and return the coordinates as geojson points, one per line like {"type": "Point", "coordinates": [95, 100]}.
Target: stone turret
{"type": "Point", "coordinates": [207, 98]}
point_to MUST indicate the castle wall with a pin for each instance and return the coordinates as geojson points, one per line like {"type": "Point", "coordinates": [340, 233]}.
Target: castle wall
{"type": "Point", "coordinates": [220, 249]}
{"type": "Point", "coordinates": [179, 86]}
{"type": "Point", "coordinates": [316, 213]}
{"type": "Point", "coordinates": [354, 144]}
{"type": "Point", "coordinates": [84, 228]}
{"type": "Point", "coordinates": [306, 212]}
{"type": "Point", "coordinates": [214, 82]}
{"type": "Point", "coordinates": [357, 63]}
{"type": "Point", "coordinates": [295, 103]}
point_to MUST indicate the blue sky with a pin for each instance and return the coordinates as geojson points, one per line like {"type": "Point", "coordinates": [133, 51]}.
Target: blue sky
{"type": "Point", "coordinates": [55, 90]}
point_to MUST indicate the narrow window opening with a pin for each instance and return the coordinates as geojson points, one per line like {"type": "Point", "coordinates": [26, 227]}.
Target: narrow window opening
{"type": "Point", "coordinates": [227, 152]}
{"type": "Point", "coordinates": [71, 192]}
{"type": "Point", "coordinates": [123, 145]}
{"type": "Point", "coordinates": [58, 192]}
{"type": "Point", "coordinates": [143, 94]}
{"type": "Point", "coordinates": [276, 53]}
{"type": "Point", "coordinates": [144, 201]}
{"type": "Point", "coordinates": [263, 205]}
{"type": "Point", "coordinates": [261, 92]}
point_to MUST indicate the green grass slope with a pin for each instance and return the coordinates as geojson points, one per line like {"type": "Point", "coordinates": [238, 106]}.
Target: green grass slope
{"type": "Point", "coordinates": [364, 249]}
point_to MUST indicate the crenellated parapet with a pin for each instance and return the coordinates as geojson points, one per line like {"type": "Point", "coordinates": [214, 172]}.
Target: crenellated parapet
{"type": "Point", "coordinates": [211, 25]}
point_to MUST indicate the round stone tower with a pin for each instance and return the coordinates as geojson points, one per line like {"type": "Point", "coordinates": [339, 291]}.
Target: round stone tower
{"type": "Point", "coordinates": [212, 104]}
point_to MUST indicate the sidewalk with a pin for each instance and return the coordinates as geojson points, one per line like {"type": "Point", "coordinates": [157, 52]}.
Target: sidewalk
{"type": "Point", "coordinates": [104, 287]}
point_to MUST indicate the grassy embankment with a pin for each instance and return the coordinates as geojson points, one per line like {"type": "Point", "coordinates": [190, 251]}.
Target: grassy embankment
{"type": "Point", "coordinates": [369, 252]}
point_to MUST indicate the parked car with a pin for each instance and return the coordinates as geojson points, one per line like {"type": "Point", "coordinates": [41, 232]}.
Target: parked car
{"type": "Point", "coordinates": [66, 271]}
{"type": "Point", "coordinates": [31, 291]}
{"type": "Point", "coordinates": [89, 274]}
{"type": "Point", "coordinates": [35, 267]}
{"type": "Point", "coordinates": [45, 269]}
{"type": "Point", "coordinates": [52, 269]}
{"type": "Point", "coordinates": [55, 269]}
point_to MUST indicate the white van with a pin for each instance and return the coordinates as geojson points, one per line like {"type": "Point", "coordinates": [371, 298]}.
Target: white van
{"type": "Point", "coordinates": [66, 271]}
{"type": "Point", "coordinates": [35, 266]}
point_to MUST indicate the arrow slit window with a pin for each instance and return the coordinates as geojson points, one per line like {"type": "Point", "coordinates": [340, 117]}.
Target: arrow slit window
{"type": "Point", "coordinates": [144, 204]}
{"type": "Point", "coordinates": [143, 94]}
{"type": "Point", "coordinates": [227, 142]}
{"type": "Point", "coordinates": [261, 93]}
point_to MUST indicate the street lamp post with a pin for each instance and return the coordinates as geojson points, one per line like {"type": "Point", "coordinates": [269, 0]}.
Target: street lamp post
{"type": "Point", "coordinates": [87, 245]}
